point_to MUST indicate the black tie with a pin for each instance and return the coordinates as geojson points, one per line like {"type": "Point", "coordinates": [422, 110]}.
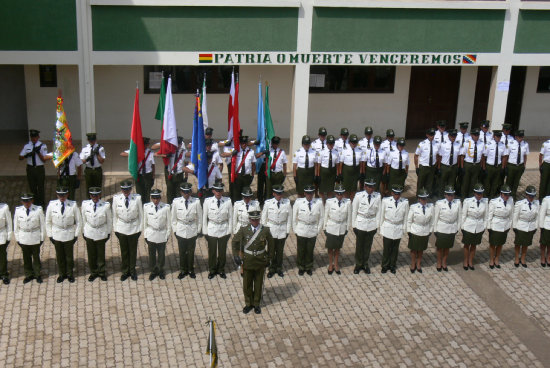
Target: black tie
{"type": "Point", "coordinates": [95, 206]}
{"type": "Point", "coordinates": [127, 202]}
{"type": "Point", "coordinates": [424, 209]}
{"type": "Point", "coordinates": [33, 156]}
{"type": "Point", "coordinates": [242, 167]}
{"type": "Point", "coordinates": [396, 203]}
{"type": "Point", "coordinates": [369, 198]}
{"type": "Point", "coordinates": [506, 143]}
{"type": "Point", "coordinates": [28, 211]}
{"type": "Point", "coordinates": [475, 152]}
{"type": "Point", "coordinates": [377, 160]}
{"type": "Point", "coordinates": [309, 205]}
{"type": "Point", "coordinates": [278, 204]}
{"type": "Point", "coordinates": [485, 138]}
{"type": "Point", "coordinates": [496, 155]}
{"type": "Point", "coordinates": [478, 203]}
{"type": "Point", "coordinates": [449, 205]}
{"type": "Point", "coordinates": [62, 207]}
{"type": "Point", "coordinates": [307, 161]}
{"type": "Point", "coordinates": [368, 143]}
{"type": "Point", "coordinates": [322, 145]}
{"type": "Point", "coordinates": [247, 207]}
{"type": "Point", "coordinates": [504, 202]}
{"type": "Point", "coordinates": [519, 153]}
{"type": "Point", "coordinates": [451, 157]}
{"type": "Point", "coordinates": [218, 203]}
{"type": "Point", "coordinates": [330, 160]}
{"type": "Point", "coordinates": [186, 204]}
{"type": "Point", "coordinates": [529, 206]}
{"type": "Point", "coordinates": [92, 161]}
{"type": "Point", "coordinates": [353, 157]}
{"type": "Point", "coordinates": [156, 208]}
{"type": "Point", "coordinates": [401, 161]}
{"type": "Point", "coordinates": [339, 203]}
{"type": "Point", "coordinates": [431, 154]}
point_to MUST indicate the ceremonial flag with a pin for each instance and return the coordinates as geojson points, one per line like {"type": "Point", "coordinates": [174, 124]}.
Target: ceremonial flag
{"type": "Point", "coordinates": [211, 348]}
{"type": "Point", "coordinates": [137, 148]}
{"type": "Point", "coordinates": [162, 101]}
{"type": "Point", "coordinates": [63, 140]}
{"type": "Point", "coordinates": [234, 125]}
{"type": "Point", "coordinates": [169, 138]}
{"type": "Point", "coordinates": [198, 145]}
{"type": "Point", "coordinates": [269, 131]}
{"type": "Point", "coordinates": [203, 104]}
{"type": "Point", "coordinates": [261, 129]}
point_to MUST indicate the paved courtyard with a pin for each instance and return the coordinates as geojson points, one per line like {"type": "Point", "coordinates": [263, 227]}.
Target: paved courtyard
{"type": "Point", "coordinates": [475, 318]}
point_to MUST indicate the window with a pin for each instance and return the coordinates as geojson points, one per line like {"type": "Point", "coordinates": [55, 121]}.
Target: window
{"type": "Point", "coordinates": [48, 75]}
{"type": "Point", "coordinates": [544, 80]}
{"type": "Point", "coordinates": [186, 79]}
{"type": "Point", "coordinates": [351, 79]}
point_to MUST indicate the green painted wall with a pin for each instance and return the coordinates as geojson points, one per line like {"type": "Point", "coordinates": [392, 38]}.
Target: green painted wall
{"type": "Point", "coordinates": [141, 28]}
{"type": "Point", "coordinates": [406, 30]}
{"type": "Point", "coordinates": [38, 25]}
{"type": "Point", "coordinates": [533, 32]}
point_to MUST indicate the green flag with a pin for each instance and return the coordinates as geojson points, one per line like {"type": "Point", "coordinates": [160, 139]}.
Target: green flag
{"type": "Point", "coordinates": [270, 132]}
{"type": "Point", "coordinates": [162, 100]}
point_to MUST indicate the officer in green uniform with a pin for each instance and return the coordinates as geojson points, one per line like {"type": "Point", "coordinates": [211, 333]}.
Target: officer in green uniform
{"type": "Point", "coordinates": [256, 248]}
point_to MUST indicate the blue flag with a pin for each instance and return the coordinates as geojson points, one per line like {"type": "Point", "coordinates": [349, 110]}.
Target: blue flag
{"type": "Point", "coordinates": [262, 146]}
{"type": "Point", "coordinates": [198, 146]}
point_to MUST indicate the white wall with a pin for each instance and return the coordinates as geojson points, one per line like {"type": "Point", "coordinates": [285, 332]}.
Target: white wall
{"type": "Point", "coordinates": [535, 110]}
{"type": "Point", "coordinates": [355, 111]}
{"type": "Point", "coordinates": [42, 101]}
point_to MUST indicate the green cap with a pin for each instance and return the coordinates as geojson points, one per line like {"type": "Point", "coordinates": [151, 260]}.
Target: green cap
{"type": "Point", "coordinates": [218, 185]}
{"type": "Point", "coordinates": [344, 131]}
{"type": "Point", "coordinates": [390, 133]}
{"type": "Point", "coordinates": [323, 131]}
{"type": "Point", "coordinates": [330, 139]}
{"type": "Point", "coordinates": [478, 188]}
{"type": "Point", "coordinates": [370, 181]}
{"type": "Point", "coordinates": [306, 139]}
{"type": "Point", "coordinates": [254, 215]}
{"type": "Point", "coordinates": [186, 187]}
{"type": "Point", "coordinates": [520, 133]}
{"type": "Point", "coordinates": [246, 192]}
{"type": "Point", "coordinates": [155, 193]}
{"type": "Point", "coordinates": [397, 188]}
{"type": "Point", "coordinates": [449, 189]}
{"type": "Point", "coordinates": [485, 124]}
{"type": "Point", "coordinates": [34, 132]}
{"type": "Point", "coordinates": [126, 184]}
{"type": "Point", "coordinates": [339, 188]}
{"type": "Point", "coordinates": [377, 140]}
{"type": "Point", "coordinates": [497, 133]}
{"type": "Point", "coordinates": [531, 190]}
{"type": "Point", "coordinates": [94, 190]}
{"type": "Point", "coordinates": [453, 132]}
{"type": "Point", "coordinates": [368, 130]}
{"type": "Point", "coordinates": [464, 125]}
{"type": "Point", "coordinates": [475, 131]}
{"type": "Point", "coordinates": [401, 142]}
{"type": "Point", "coordinates": [91, 136]}
{"type": "Point", "coordinates": [505, 189]}
{"type": "Point", "coordinates": [61, 190]}
{"type": "Point", "coordinates": [441, 123]}
{"type": "Point", "coordinates": [506, 126]}
{"type": "Point", "coordinates": [430, 131]}
{"type": "Point", "coordinates": [208, 131]}
{"type": "Point", "coordinates": [422, 193]}
{"type": "Point", "coordinates": [309, 188]}
{"type": "Point", "coordinates": [26, 196]}
{"type": "Point", "coordinates": [353, 138]}
{"type": "Point", "coordinates": [278, 188]}
{"type": "Point", "coordinates": [276, 140]}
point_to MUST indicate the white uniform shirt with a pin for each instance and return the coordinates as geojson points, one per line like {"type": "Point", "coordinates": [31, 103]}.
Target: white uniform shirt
{"type": "Point", "coordinates": [87, 152]}
{"type": "Point", "coordinates": [149, 159]}
{"type": "Point", "coordinates": [278, 167]}
{"type": "Point", "coordinates": [216, 158]}
{"type": "Point", "coordinates": [277, 217]}
{"type": "Point", "coordinates": [186, 221]}
{"type": "Point", "coordinates": [485, 137]}
{"type": "Point", "coordinates": [307, 222]}
{"type": "Point", "coordinates": [227, 149]}
{"type": "Point", "coordinates": [366, 144]}
{"type": "Point", "coordinates": [441, 137]}
{"type": "Point", "coordinates": [513, 150]}
{"type": "Point", "coordinates": [318, 145]}
{"type": "Point", "coordinates": [491, 151]}
{"type": "Point", "coordinates": [340, 144]}
{"type": "Point", "coordinates": [240, 213]}
{"type": "Point", "coordinates": [217, 221]}
{"type": "Point", "coordinates": [469, 151]}
{"type": "Point", "coordinates": [445, 152]}
{"type": "Point", "coordinates": [474, 216]}
{"type": "Point", "coordinates": [323, 158]}
{"type": "Point", "coordinates": [156, 223]}
{"type": "Point", "coordinates": [506, 139]}
{"type": "Point", "coordinates": [526, 218]}
{"type": "Point", "coordinates": [63, 226]}
{"type": "Point", "coordinates": [393, 159]}
{"type": "Point", "coordinates": [370, 157]}
{"type": "Point", "coordinates": [73, 162]}
{"type": "Point", "coordinates": [337, 218]}
{"type": "Point", "coordinates": [249, 159]}
{"type": "Point", "coordinates": [300, 158]}
{"type": "Point", "coordinates": [177, 161]}
{"type": "Point", "coordinates": [423, 152]}
{"type": "Point", "coordinates": [545, 151]}
{"type": "Point", "coordinates": [544, 216]}
{"type": "Point", "coordinates": [6, 226]}
{"type": "Point", "coordinates": [420, 221]}
{"type": "Point", "coordinates": [213, 173]}
{"type": "Point", "coordinates": [29, 148]}
{"type": "Point", "coordinates": [388, 146]}
{"type": "Point", "coordinates": [29, 229]}
{"type": "Point", "coordinates": [96, 224]}
{"type": "Point", "coordinates": [346, 157]}
{"type": "Point", "coordinates": [365, 214]}
{"type": "Point", "coordinates": [393, 218]}
{"type": "Point", "coordinates": [447, 219]}
{"type": "Point", "coordinates": [500, 213]}
{"type": "Point", "coordinates": [129, 220]}
{"type": "Point", "coordinates": [462, 138]}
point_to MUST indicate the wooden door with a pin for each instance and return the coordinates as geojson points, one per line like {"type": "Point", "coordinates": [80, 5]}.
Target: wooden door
{"type": "Point", "coordinates": [433, 95]}
{"type": "Point", "coordinates": [481, 98]}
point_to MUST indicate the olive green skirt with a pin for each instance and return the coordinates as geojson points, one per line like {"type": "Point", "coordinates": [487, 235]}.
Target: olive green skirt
{"type": "Point", "coordinates": [351, 177]}
{"type": "Point", "coordinates": [524, 238]}
{"type": "Point", "coordinates": [497, 238]}
{"type": "Point", "coordinates": [545, 237]}
{"type": "Point", "coordinates": [469, 238]}
{"type": "Point", "coordinates": [444, 241]}
{"type": "Point", "coordinates": [417, 242]}
{"type": "Point", "coordinates": [328, 178]}
{"type": "Point", "coordinates": [305, 177]}
{"type": "Point", "coordinates": [334, 241]}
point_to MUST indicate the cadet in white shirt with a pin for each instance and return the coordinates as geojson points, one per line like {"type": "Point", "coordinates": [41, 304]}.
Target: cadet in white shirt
{"type": "Point", "coordinates": [245, 168]}
{"type": "Point", "coordinates": [398, 164]}
{"type": "Point", "coordinates": [375, 163]}
{"type": "Point", "coordinates": [217, 221]}
{"type": "Point", "coordinates": [496, 157]}
{"type": "Point", "coordinates": [507, 137]}
{"type": "Point", "coordinates": [93, 155]}
{"type": "Point", "coordinates": [327, 168]}
{"type": "Point", "coordinates": [29, 230]}
{"type": "Point", "coordinates": [517, 157]}
{"type": "Point", "coordinates": [127, 223]}
{"type": "Point", "coordinates": [173, 170]}
{"type": "Point", "coordinates": [525, 222]}
{"type": "Point", "coordinates": [69, 173]}
{"type": "Point", "coordinates": [419, 227]}
{"type": "Point", "coordinates": [499, 222]}
{"type": "Point", "coordinates": [365, 220]}
{"type": "Point", "coordinates": [485, 135]}
{"type": "Point", "coordinates": [63, 227]}
{"type": "Point", "coordinates": [337, 221]}
{"type": "Point", "coordinates": [187, 225]}
{"type": "Point", "coordinates": [389, 145]}
{"type": "Point", "coordinates": [342, 142]}
{"type": "Point", "coordinates": [475, 212]}
{"type": "Point", "coordinates": [544, 224]}
{"type": "Point", "coordinates": [277, 215]}
{"type": "Point", "coordinates": [6, 230]}
{"type": "Point", "coordinates": [240, 218]}
{"type": "Point", "coordinates": [462, 137]}
{"type": "Point", "coordinates": [156, 231]}
{"type": "Point", "coordinates": [473, 163]}
{"type": "Point", "coordinates": [352, 166]}
{"type": "Point", "coordinates": [36, 154]}
{"type": "Point", "coordinates": [448, 160]}
{"type": "Point", "coordinates": [146, 172]}
{"type": "Point", "coordinates": [278, 167]}
{"type": "Point", "coordinates": [320, 143]}
{"type": "Point", "coordinates": [307, 222]}
{"type": "Point", "coordinates": [367, 142]}
{"type": "Point", "coordinates": [97, 224]}
{"type": "Point", "coordinates": [440, 135]}
{"type": "Point", "coordinates": [425, 156]}
{"type": "Point", "coordinates": [447, 217]}
{"type": "Point", "coordinates": [393, 223]}
{"type": "Point", "coordinates": [544, 168]}
{"type": "Point", "coordinates": [303, 165]}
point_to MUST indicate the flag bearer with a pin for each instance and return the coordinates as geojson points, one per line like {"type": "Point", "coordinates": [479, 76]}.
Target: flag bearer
{"type": "Point", "coordinates": [63, 223]}
{"type": "Point", "coordinates": [393, 223]}
{"type": "Point", "coordinates": [97, 224]}
{"type": "Point", "coordinates": [336, 222]}
{"type": "Point", "coordinates": [173, 172]}
{"type": "Point", "coordinates": [146, 172]}
{"type": "Point", "coordinates": [240, 216]}
{"type": "Point", "coordinates": [398, 164]}
{"type": "Point", "coordinates": [277, 216]}
{"type": "Point", "coordinates": [448, 159]}
{"type": "Point", "coordinates": [29, 230]}
{"type": "Point", "coordinates": [6, 230]}
{"type": "Point", "coordinates": [499, 221]}
{"type": "Point", "coordinates": [517, 157]}
{"type": "Point", "coordinates": [352, 166]}
{"type": "Point", "coordinates": [327, 168]}
{"type": "Point", "coordinates": [213, 174]}
{"type": "Point", "coordinates": [472, 162]}
{"type": "Point", "coordinates": [278, 166]}
{"type": "Point", "coordinates": [419, 227]}
{"type": "Point", "coordinates": [425, 160]}
{"type": "Point", "coordinates": [304, 165]}
{"type": "Point", "coordinates": [496, 157]}
{"type": "Point", "coordinates": [187, 225]}
{"type": "Point", "coordinates": [156, 231]}
{"type": "Point", "coordinates": [36, 154]}
{"type": "Point", "coordinates": [475, 211]}
{"type": "Point", "coordinates": [447, 217]}
{"type": "Point", "coordinates": [525, 222]}
{"type": "Point", "coordinates": [70, 173]}
{"type": "Point", "coordinates": [544, 168]}
{"type": "Point", "coordinates": [245, 168]}
{"type": "Point", "coordinates": [127, 223]}
{"type": "Point", "coordinates": [93, 155]}
{"type": "Point", "coordinates": [375, 163]}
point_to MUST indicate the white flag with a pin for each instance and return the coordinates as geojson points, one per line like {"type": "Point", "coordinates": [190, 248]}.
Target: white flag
{"type": "Point", "coordinates": [169, 121]}
{"type": "Point", "coordinates": [203, 105]}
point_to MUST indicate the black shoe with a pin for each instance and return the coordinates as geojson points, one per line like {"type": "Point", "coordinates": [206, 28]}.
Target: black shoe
{"type": "Point", "coordinates": [413, 270]}
{"type": "Point", "coordinates": [6, 280]}
{"type": "Point", "coordinates": [103, 278]}
{"type": "Point", "coordinates": [524, 265]}
{"type": "Point", "coordinates": [152, 276]}
{"type": "Point", "coordinates": [247, 309]}
{"type": "Point", "coordinates": [419, 270]}
{"type": "Point", "coordinates": [92, 278]}
{"type": "Point", "coordinates": [338, 272]}
{"type": "Point", "coordinates": [309, 272]}
{"type": "Point", "coordinates": [162, 275]}
{"type": "Point", "coordinates": [330, 271]}
{"type": "Point", "coordinates": [124, 277]}
{"type": "Point", "coordinates": [516, 264]}
{"type": "Point", "coordinates": [270, 274]}
{"type": "Point", "coordinates": [39, 279]}
{"type": "Point", "coordinates": [384, 270]}
{"type": "Point", "coordinates": [182, 275]}
{"type": "Point", "coordinates": [356, 270]}
{"type": "Point", "coordinates": [134, 276]}
{"type": "Point", "coordinates": [543, 264]}
{"type": "Point", "coordinates": [367, 270]}
{"type": "Point", "coordinates": [465, 268]}
{"type": "Point", "coordinates": [281, 274]}
{"type": "Point", "coordinates": [439, 269]}
{"type": "Point", "coordinates": [28, 279]}
{"type": "Point", "coordinates": [211, 275]}
{"type": "Point", "coordinates": [71, 279]}
{"type": "Point", "coordinates": [393, 270]}
{"type": "Point", "coordinates": [471, 268]}
{"type": "Point", "coordinates": [60, 279]}
{"type": "Point", "coordinates": [301, 272]}
{"type": "Point", "coordinates": [491, 266]}
{"type": "Point", "coordinates": [446, 269]}
{"type": "Point", "coordinates": [257, 310]}
{"type": "Point", "coordinates": [222, 275]}
{"type": "Point", "coordinates": [497, 266]}
{"type": "Point", "coordinates": [192, 275]}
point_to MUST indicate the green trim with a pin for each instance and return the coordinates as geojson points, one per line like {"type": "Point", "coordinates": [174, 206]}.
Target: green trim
{"type": "Point", "coordinates": [147, 28]}
{"type": "Point", "coordinates": [406, 30]}
{"type": "Point", "coordinates": [38, 25]}
{"type": "Point", "coordinates": [532, 35]}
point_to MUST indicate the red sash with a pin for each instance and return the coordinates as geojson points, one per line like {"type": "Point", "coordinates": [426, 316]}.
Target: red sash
{"type": "Point", "coordinates": [210, 171]}
{"type": "Point", "coordinates": [176, 161]}
{"type": "Point", "coordinates": [242, 162]}
{"type": "Point", "coordinates": [143, 162]}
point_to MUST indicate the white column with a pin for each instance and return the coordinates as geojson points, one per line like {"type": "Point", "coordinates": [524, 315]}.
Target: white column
{"type": "Point", "coordinates": [466, 94]}
{"type": "Point", "coordinates": [85, 68]}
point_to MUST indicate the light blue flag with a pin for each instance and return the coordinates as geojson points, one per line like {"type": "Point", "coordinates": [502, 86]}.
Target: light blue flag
{"type": "Point", "coordinates": [262, 146]}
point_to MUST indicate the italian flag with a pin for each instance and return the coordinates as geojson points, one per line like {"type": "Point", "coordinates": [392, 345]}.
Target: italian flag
{"type": "Point", "coordinates": [137, 149]}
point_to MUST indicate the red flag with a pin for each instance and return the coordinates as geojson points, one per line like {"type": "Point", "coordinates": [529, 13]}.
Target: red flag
{"type": "Point", "coordinates": [137, 148]}
{"type": "Point", "coordinates": [236, 131]}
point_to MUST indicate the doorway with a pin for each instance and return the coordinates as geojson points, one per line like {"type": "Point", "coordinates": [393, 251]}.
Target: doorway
{"type": "Point", "coordinates": [515, 96]}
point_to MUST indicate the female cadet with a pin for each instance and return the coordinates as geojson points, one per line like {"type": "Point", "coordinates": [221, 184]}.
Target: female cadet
{"type": "Point", "coordinates": [447, 217]}
{"type": "Point", "coordinates": [474, 222]}
{"type": "Point", "coordinates": [499, 222]}
{"type": "Point", "coordinates": [419, 227]}
{"type": "Point", "coordinates": [525, 222]}
{"type": "Point", "coordinates": [544, 224]}
{"type": "Point", "coordinates": [336, 223]}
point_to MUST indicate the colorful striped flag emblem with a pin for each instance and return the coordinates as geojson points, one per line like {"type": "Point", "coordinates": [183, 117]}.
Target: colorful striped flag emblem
{"type": "Point", "coordinates": [205, 58]}
{"type": "Point", "coordinates": [469, 59]}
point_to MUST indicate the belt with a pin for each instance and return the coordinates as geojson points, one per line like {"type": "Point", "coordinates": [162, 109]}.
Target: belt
{"type": "Point", "coordinates": [188, 222]}
{"type": "Point", "coordinates": [96, 227]}
{"type": "Point", "coordinates": [217, 222]}
{"type": "Point", "coordinates": [92, 168]}
{"type": "Point", "coordinates": [471, 163]}
{"type": "Point", "coordinates": [34, 167]}
{"type": "Point", "coordinates": [515, 164]}
{"type": "Point", "coordinates": [156, 228]}
{"type": "Point", "coordinates": [365, 216]}
{"type": "Point", "coordinates": [64, 228]}
{"type": "Point", "coordinates": [255, 252]}
{"type": "Point", "coordinates": [449, 165]}
{"type": "Point", "coordinates": [127, 222]}
{"type": "Point", "coordinates": [447, 222]}
{"type": "Point", "coordinates": [308, 223]}
{"type": "Point", "coordinates": [428, 166]}
{"type": "Point", "coordinates": [276, 223]}
{"type": "Point", "coordinates": [29, 230]}
{"type": "Point", "coordinates": [393, 223]}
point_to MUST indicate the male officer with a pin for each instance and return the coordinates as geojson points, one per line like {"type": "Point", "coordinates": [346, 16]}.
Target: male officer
{"type": "Point", "coordinates": [507, 136]}
{"type": "Point", "coordinates": [156, 231]}
{"type": "Point", "coordinates": [327, 168]}
{"type": "Point", "coordinates": [544, 168]}
{"type": "Point", "coordinates": [6, 230]}
{"type": "Point", "coordinates": [277, 215]}
{"type": "Point", "coordinates": [352, 166]}
{"type": "Point", "coordinates": [127, 223]}
{"type": "Point", "coordinates": [187, 225]}
{"type": "Point", "coordinates": [496, 156]}
{"type": "Point", "coordinates": [29, 230]}
{"type": "Point", "coordinates": [303, 164]}
{"type": "Point", "coordinates": [277, 169]}
{"type": "Point", "coordinates": [398, 164]}
{"type": "Point", "coordinates": [375, 162]}
{"type": "Point", "coordinates": [389, 145]}
{"type": "Point", "coordinates": [241, 209]}
{"type": "Point", "coordinates": [517, 157]}
{"type": "Point", "coordinates": [256, 248]}
{"type": "Point", "coordinates": [307, 222]}
{"type": "Point", "coordinates": [146, 172]}
{"type": "Point", "coordinates": [173, 172]}
{"type": "Point", "coordinates": [485, 135]}
{"type": "Point", "coordinates": [448, 160]}
{"type": "Point", "coordinates": [365, 220]}
{"type": "Point", "coordinates": [473, 163]}
{"type": "Point", "coordinates": [367, 142]}
{"type": "Point", "coordinates": [342, 142]}
{"type": "Point", "coordinates": [69, 173]}
{"type": "Point", "coordinates": [63, 227]}
{"type": "Point", "coordinates": [94, 156]}
{"type": "Point", "coordinates": [217, 219]}
{"type": "Point", "coordinates": [425, 155]}
{"type": "Point", "coordinates": [245, 168]}
{"type": "Point", "coordinates": [462, 137]}
{"type": "Point", "coordinates": [440, 135]}
{"type": "Point", "coordinates": [320, 143]}
{"type": "Point", "coordinates": [97, 224]}
{"type": "Point", "coordinates": [393, 218]}
{"type": "Point", "coordinates": [36, 154]}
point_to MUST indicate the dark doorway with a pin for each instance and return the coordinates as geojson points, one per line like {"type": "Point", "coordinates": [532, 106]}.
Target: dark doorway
{"type": "Point", "coordinates": [13, 104]}
{"type": "Point", "coordinates": [433, 95]}
{"type": "Point", "coordinates": [515, 96]}
{"type": "Point", "coordinates": [481, 98]}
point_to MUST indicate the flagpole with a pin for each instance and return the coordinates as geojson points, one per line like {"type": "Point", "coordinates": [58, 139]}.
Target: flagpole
{"type": "Point", "coordinates": [210, 342]}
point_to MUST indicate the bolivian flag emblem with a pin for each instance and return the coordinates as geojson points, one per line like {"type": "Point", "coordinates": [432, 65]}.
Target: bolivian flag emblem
{"type": "Point", "coordinates": [205, 58]}
{"type": "Point", "coordinates": [469, 59]}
